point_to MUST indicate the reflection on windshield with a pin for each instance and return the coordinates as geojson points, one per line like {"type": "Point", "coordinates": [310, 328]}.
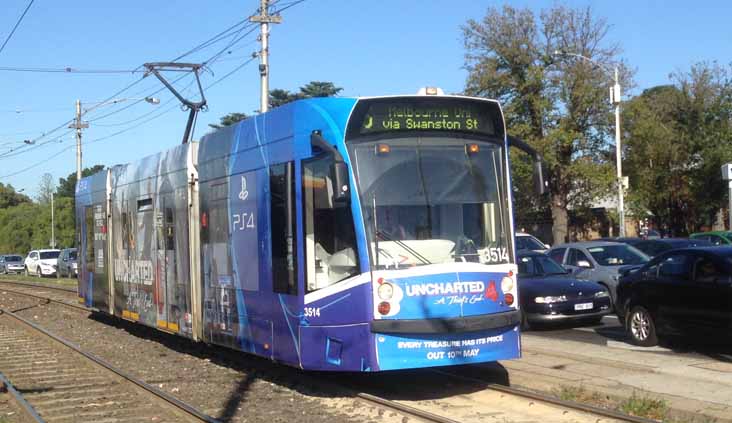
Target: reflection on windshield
{"type": "Point", "coordinates": [427, 200]}
{"type": "Point", "coordinates": [539, 265]}
{"type": "Point", "coordinates": [49, 255]}
{"type": "Point", "coordinates": [617, 255]}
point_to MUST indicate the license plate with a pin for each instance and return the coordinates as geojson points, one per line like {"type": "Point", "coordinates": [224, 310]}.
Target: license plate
{"type": "Point", "coordinates": [583, 306]}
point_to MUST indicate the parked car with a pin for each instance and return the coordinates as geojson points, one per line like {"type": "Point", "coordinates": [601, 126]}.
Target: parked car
{"type": "Point", "coordinates": [548, 293]}
{"type": "Point", "coordinates": [41, 262]}
{"type": "Point", "coordinates": [11, 263]}
{"type": "Point", "coordinates": [600, 261]}
{"type": "Point", "coordinates": [654, 247]}
{"type": "Point", "coordinates": [687, 291]}
{"type": "Point", "coordinates": [67, 263]}
{"type": "Point", "coordinates": [715, 237]}
{"type": "Point", "coordinates": [527, 242]}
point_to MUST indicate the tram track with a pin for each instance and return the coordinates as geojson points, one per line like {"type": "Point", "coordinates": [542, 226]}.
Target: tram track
{"type": "Point", "coordinates": [434, 413]}
{"type": "Point", "coordinates": [63, 383]}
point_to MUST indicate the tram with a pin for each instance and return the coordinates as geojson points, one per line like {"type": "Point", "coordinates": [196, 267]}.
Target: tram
{"type": "Point", "coordinates": [335, 234]}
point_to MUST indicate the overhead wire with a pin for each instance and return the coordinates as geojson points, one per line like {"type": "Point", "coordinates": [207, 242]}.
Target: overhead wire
{"type": "Point", "coordinates": [213, 40]}
{"type": "Point", "coordinates": [17, 24]}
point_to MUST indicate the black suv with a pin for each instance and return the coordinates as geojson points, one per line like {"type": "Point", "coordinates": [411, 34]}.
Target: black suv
{"type": "Point", "coordinates": [686, 291]}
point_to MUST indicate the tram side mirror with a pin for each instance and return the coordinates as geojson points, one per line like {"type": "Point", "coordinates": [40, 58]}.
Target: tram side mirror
{"type": "Point", "coordinates": [341, 187]}
{"type": "Point", "coordinates": [538, 177]}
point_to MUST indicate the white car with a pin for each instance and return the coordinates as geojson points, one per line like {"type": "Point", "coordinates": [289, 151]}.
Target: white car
{"type": "Point", "coordinates": [527, 242]}
{"type": "Point", "coordinates": [41, 262]}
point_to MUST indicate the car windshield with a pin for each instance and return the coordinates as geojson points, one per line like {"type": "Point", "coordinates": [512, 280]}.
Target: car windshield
{"type": "Point", "coordinates": [49, 255]}
{"type": "Point", "coordinates": [13, 259]}
{"type": "Point", "coordinates": [539, 265]}
{"type": "Point", "coordinates": [617, 255]}
{"type": "Point", "coordinates": [528, 243]}
{"type": "Point", "coordinates": [426, 200]}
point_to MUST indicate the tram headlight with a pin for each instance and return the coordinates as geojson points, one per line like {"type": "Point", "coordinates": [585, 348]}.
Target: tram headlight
{"type": "Point", "coordinates": [385, 291]}
{"type": "Point", "coordinates": [506, 284]}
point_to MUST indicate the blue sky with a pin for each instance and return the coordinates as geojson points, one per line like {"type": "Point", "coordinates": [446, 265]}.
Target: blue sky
{"type": "Point", "coordinates": [374, 47]}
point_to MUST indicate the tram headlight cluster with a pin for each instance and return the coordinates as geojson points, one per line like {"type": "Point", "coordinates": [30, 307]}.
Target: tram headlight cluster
{"type": "Point", "coordinates": [385, 291]}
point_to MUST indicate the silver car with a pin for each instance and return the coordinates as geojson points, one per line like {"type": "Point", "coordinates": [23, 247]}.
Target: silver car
{"type": "Point", "coordinates": [599, 261]}
{"type": "Point", "coordinates": [11, 263]}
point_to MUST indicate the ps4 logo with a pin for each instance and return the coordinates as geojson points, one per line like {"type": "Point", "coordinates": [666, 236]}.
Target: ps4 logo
{"type": "Point", "coordinates": [244, 194]}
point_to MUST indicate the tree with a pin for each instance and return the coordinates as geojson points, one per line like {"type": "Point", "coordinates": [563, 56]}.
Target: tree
{"type": "Point", "coordinates": [558, 105]}
{"type": "Point", "coordinates": [228, 120]}
{"type": "Point", "coordinates": [67, 186]}
{"type": "Point", "coordinates": [9, 197]}
{"type": "Point", "coordinates": [677, 137]}
{"type": "Point", "coordinates": [319, 89]}
{"type": "Point", "coordinates": [45, 188]}
{"type": "Point", "coordinates": [278, 97]}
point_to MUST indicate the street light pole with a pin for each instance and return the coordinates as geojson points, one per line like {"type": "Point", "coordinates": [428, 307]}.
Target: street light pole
{"type": "Point", "coordinates": [53, 232]}
{"type": "Point", "coordinates": [615, 97]}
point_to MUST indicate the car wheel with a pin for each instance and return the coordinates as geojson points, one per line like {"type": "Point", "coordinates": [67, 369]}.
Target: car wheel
{"type": "Point", "coordinates": [27, 273]}
{"type": "Point", "coordinates": [641, 327]}
{"type": "Point", "coordinates": [58, 273]}
{"type": "Point", "coordinates": [38, 272]}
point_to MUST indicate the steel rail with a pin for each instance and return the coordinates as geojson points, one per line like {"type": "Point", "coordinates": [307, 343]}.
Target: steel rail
{"type": "Point", "coordinates": [36, 285]}
{"type": "Point", "coordinates": [32, 413]}
{"type": "Point", "coordinates": [192, 411]}
{"type": "Point", "coordinates": [536, 396]}
{"type": "Point", "coordinates": [405, 409]}
{"type": "Point", "coordinates": [50, 300]}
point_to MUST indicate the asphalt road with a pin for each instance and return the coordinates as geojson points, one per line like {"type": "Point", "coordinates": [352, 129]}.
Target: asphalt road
{"type": "Point", "coordinates": [611, 334]}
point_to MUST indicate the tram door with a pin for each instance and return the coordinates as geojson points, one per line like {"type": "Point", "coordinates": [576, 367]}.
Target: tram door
{"type": "Point", "coordinates": [166, 287]}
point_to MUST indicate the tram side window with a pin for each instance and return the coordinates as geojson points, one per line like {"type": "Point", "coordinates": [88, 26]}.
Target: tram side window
{"type": "Point", "coordinates": [282, 214]}
{"type": "Point", "coordinates": [89, 217]}
{"type": "Point", "coordinates": [330, 238]}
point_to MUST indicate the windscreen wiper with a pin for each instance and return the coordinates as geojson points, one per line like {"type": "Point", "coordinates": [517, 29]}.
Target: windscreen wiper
{"type": "Point", "coordinates": [400, 243]}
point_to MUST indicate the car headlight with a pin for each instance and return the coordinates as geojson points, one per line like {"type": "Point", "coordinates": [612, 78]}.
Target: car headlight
{"type": "Point", "coordinates": [550, 300]}
{"type": "Point", "coordinates": [602, 294]}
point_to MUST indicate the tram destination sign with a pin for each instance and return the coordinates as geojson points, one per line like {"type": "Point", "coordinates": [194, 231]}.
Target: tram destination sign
{"type": "Point", "coordinates": [448, 116]}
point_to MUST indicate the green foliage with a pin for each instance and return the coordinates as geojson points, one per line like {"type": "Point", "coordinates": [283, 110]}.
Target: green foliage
{"type": "Point", "coordinates": [278, 97]}
{"type": "Point", "coordinates": [644, 406]}
{"type": "Point", "coordinates": [677, 138]}
{"type": "Point", "coordinates": [28, 226]}
{"type": "Point", "coordinates": [9, 197]}
{"type": "Point", "coordinates": [558, 105]}
{"type": "Point", "coordinates": [228, 120]}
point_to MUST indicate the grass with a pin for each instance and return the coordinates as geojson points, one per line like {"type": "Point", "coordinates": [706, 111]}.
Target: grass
{"type": "Point", "coordinates": [635, 405]}
{"type": "Point", "coordinates": [35, 279]}
{"type": "Point", "coordinates": [644, 406]}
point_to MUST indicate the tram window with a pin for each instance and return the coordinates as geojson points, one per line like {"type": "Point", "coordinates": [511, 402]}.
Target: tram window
{"type": "Point", "coordinates": [169, 229]}
{"type": "Point", "coordinates": [282, 224]}
{"type": "Point", "coordinates": [330, 238]}
{"type": "Point", "coordinates": [89, 217]}
{"type": "Point", "coordinates": [144, 205]}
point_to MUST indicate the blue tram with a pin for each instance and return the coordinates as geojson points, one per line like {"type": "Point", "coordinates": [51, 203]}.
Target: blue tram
{"type": "Point", "coordinates": [338, 234]}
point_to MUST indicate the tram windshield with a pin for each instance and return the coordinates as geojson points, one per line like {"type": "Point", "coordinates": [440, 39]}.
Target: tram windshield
{"type": "Point", "coordinates": [432, 198]}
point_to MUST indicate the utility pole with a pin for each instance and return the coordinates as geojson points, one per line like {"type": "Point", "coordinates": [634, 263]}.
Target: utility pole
{"type": "Point", "coordinates": [78, 125]}
{"type": "Point", "coordinates": [53, 233]}
{"type": "Point", "coordinates": [615, 98]}
{"type": "Point", "coordinates": [264, 19]}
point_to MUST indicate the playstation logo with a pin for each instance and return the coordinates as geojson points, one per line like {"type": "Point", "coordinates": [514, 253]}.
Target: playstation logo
{"type": "Point", "coordinates": [244, 194]}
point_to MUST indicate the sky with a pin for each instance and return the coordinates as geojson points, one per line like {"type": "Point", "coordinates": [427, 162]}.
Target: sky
{"type": "Point", "coordinates": [374, 47]}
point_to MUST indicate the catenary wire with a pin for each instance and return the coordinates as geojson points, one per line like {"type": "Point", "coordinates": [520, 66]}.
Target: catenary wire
{"type": "Point", "coordinates": [34, 145]}
{"type": "Point", "coordinates": [17, 24]}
